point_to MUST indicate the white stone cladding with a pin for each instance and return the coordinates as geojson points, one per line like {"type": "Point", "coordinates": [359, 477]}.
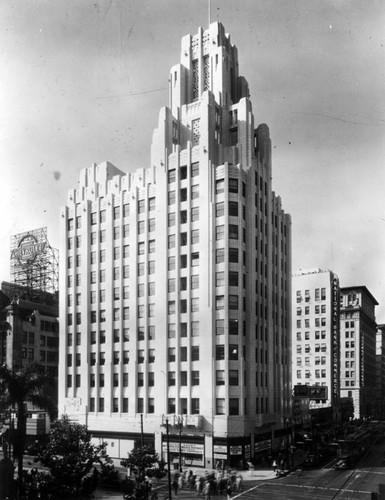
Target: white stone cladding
{"type": "Point", "coordinates": [183, 303]}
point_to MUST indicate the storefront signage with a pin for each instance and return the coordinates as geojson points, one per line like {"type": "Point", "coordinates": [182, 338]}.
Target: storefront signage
{"type": "Point", "coordinates": [190, 448]}
{"type": "Point", "coordinates": [235, 450]}
{"type": "Point", "coordinates": [262, 445]}
{"type": "Point", "coordinates": [220, 448]}
{"type": "Point", "coordinates": [335, 338]}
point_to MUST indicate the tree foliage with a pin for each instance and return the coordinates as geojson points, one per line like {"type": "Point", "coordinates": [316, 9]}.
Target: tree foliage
{"type": "Point", "coordinates": [144, 461]}
{"type": "Point", "coordinates": [71, 458]}
{"type": "Point", "coordinates": [17, 387]}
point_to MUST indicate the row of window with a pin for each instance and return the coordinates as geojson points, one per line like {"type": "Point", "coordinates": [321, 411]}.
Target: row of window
{"type": "Point", "coordinates": [307, 348]}
{"type": "Point", "coordinates": [306, 323]}
{"type": "Point", "coordinates": [317, 361]}
{"type": "Point", "coordinates": [319, 294]}
{"type": "Point", "coordinates": [318, 309]}
{"type": "Point", "coordinates": [102, 215]}
{"type": "Point", "coordinates": [317, 373]}
{"type": "Point", "coordinates": [220, 405]}
{"type": "Point", "coordinates": [48, 356]}
{"type": "Point", "coordinates": [306, 335]}
{"type": "Point", "coordinates": [194, 172]}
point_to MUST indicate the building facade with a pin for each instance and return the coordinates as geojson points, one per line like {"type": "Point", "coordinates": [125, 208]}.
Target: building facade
{"type": "Point", "coordinates": [176, 279]}
{"type": "Point", "coordinates": [380, 371]}
{"type": "Point", "coordinates": [315, 338]}
{"type": "Point", "coordinates": [358, 349]}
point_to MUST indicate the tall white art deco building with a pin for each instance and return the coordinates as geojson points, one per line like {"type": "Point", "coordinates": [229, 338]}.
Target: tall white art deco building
{"type": "Point", "coordinates": [176, 281]}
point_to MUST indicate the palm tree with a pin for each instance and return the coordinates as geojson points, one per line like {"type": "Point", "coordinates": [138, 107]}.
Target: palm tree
{"type": "Point", "coordinates": [17, 387]}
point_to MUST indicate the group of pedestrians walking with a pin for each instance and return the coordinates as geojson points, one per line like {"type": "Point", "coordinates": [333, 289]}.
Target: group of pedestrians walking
{"type": "Point", "coordinates": [208, 485]}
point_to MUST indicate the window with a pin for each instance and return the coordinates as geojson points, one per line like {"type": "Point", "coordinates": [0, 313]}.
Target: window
{"type": "Point", "coordinates": [233, 254]}
{"type": "Point", "coordinates": [171, 378]}
{"type": "Point", "coordinates": [141, 248]}
{"type": "Point", "coordinates": [151, 267]}
{"type": "Point", "coordinates": [183, 329]}
{"type": "Point", "coordinates": [233, 326]}
{"type": "Point", "coordinates": [195, 377]}
{"type": "Point", "coordinates": [233, 185]}
{"type": "Point", "coordinates": [194, 169]}
{"type": "Point", "coordinates": [183, 283]}
{"type": "Point", "coordinates": [195, 259]}
{"type": "Point", "coordinates": [195, 328]}
{"type": "Point", "coordinates": [171, 330]}
{"type": "Point", "coordinates": [171, 263]}
{"type": "Point", "coordinates": [183, 172]}
{"type": "Point", "coordinates": [183, 378]}
{"type": "Point", "coordinates": [151, 288]}
{"type": "Point", "coordinates": [171, 285]}
{"type": "Point", "coordinates": [220, 352]}
{"type": "Point", "coordinates": [233, 377]}
{"type": "Point", "coordinates": [171, 307]}
{"type": "Point", "coordinates": [141, 269]}
{"type": "Point", "coordinates": [220, 406]}
{"type": "Point", "coordinates": [183, 239]}
{"type": "Point", "coordinates": [219, 326]}
{"type": "Point", "coordinates": [171, 405]}
{"type": "Point", "coordinates": [194, 214]}
{"type": "Point", "coordinates": [194, 281]}
{"type": "Point", "coordinates": [183, 194]}
{"type": "Point", "coordinates": [171, 219]}
{"type": "Point", "coordinates": [171, 354]}
{"type": "Point", "coordinates": [233, 231]}
{"type": "Point", "coordinates": [195, 353]}
{"type": "Point", "coordinates": [219, 232]}
{"type": "Point", "coordinates": [219, 302]}
{"type": "Point", "coordinates": [171, 241]}
{"type": "Point", "coordinates": [219, 278]}
{"type": "Point", "coordinates": [183, 305]}
{"type": "Point", "coordinates": [194, 236]}
{"type": "Point", "coordinates": [233, 302]}
{"type": "Point", "coordinates": [233, 351]}
{"type": "Point", "coordinates": [183, 216]}
{"type": "Point", "coordinates": [195, 191]}
{"type": "Point", "coordinates": [171, 176]}
{"type": "Point", "coordinates": [220, 209]}
{"type": "Point", "coordinates": [220, 186]}
{"type": "Point", "coordinates": [183, 353]}
{"type": "Point", "coordinates": [233, 208]}
{"type": "Point", "coordinates": [233, 278]}
{"type": "Point", "coordinates": [151, 225]}
{"type": "Point", "coordinates": [219, 255]}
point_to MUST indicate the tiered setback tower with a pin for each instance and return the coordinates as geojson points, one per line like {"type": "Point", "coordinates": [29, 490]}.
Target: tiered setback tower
{"type": "Point", "coordinates": [176, 282]}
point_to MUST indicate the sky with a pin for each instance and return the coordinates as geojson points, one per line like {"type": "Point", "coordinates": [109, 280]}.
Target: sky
{"type": "Point", "coordinates": [83, 82]}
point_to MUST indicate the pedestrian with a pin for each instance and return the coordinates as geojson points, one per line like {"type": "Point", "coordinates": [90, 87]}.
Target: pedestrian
{"type": "Point", "coordinates": [274, 465]}
{"type": "Point", "coordinates": [175, 486]}
{"type": "Point", "coordinates": [206, 490]}
{"type": "Point", "coordinates": [228, 491]}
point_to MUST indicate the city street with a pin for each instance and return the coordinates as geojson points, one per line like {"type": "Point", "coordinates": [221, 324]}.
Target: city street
{"type": "Point", "coordinates": [324, 483]}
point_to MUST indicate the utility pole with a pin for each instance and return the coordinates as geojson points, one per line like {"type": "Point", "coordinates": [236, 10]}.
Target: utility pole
{"type": "Point", "coordinates": [141, 430]}
{"type": "Point", "coordinates": [168, 462]}
{"type": "Point", "coordinates": [180, 425]}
